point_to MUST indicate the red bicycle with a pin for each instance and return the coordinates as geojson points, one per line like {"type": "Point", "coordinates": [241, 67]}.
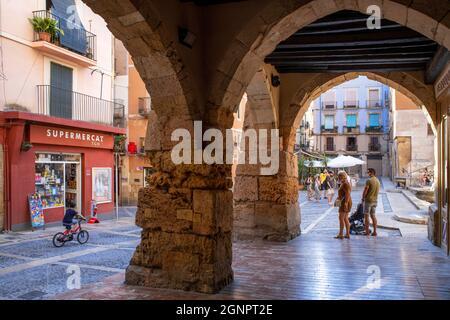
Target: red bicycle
{"type": "Point", "coordinates": [61, 238]}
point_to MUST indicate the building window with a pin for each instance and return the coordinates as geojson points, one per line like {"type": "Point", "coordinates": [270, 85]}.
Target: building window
{"type": "Point", "coordinates": [351, 98]}
{"type": "Point", "coordinates": [329, 100]}
{"type": "Point", "coordinates": [351, 144]}
{"type": "Point", "coordinates": [351, 120]}
{"type": "Point", "coordinates": [329, 122]}
{"type": "Point", "coordinates": [330, 144]}
{"type": "Point", "coordinates": [374, 100]}
{"type": "Point", "coordinates": [374, 120]}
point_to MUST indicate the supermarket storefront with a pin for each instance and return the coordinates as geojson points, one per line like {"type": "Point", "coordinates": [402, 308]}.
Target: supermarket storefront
{"type": "Point", "coordinates": [68, 163]}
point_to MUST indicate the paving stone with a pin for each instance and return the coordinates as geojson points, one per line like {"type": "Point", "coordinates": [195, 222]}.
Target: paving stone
{"type": "Point", "coordinates": [115, 258]}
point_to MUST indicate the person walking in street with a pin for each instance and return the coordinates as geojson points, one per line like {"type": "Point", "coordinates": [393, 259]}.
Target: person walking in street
{"type": "Point", "coordinates": [329, 188]}
{"type": "Point", "coordinates": [370, 201]}
{"type": "Point", "coordinates": [317, 185]}
{"type": "Point", "coordinates": [332, 185]}
{"type": "Point", "coordinates": [344, 202]}
{"type": "Point", "coordinates": [309, 187]}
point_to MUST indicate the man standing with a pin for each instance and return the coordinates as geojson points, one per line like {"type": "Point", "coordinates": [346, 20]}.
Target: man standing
{"type": "Point", "coordinates": [370, 200]}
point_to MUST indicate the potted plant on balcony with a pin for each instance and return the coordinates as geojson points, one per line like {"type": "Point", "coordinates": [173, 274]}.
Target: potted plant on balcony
{"type": "Point", "coordinates": [47, 28]}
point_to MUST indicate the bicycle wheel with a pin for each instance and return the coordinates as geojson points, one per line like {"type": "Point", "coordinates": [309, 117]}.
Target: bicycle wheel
{"type": "Point", "coordinates": [83, 237]}
{"type": "Point", "coordinates": [59, 239]}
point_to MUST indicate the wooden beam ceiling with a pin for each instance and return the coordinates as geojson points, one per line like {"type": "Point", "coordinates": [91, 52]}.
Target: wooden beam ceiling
{"type": "Point", "coordinates": [341, 42]}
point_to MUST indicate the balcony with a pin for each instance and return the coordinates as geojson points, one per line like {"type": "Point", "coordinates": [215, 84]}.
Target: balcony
{"type": "Point", "coordinates": [374, 147]}
{"type": "Point", "coordinates": [352, 147]}
{"type": "Point", "coordinates": [330, 148]}
{"type": "Point", "coordinates": [374, 129]}
{"type": "Point", "coordinates": [351, 104]}
{"type": "Point", "coordinates": [328, 105]}
{"type": "Point", "coordinates": [76, 45]}
{"type": "Point", "coordinates": [374, 104]}
{"type": "Point", "coordinates": [333, 130]}
{"type": "Point", "coordinates": [351, 130]}
{"type": "Point", "coordinates": [61, 103]}
{"type": "Point", "coordinates": [144, 106]}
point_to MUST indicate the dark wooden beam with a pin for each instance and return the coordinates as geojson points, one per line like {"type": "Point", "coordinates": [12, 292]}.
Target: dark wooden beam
{"type": "Point", "coordinates": [436, 65]}
{"type": "Point", "coordinates": [352, 68]}
{"type": "Point", "coordinates": [353, 39]}
{"type": "Point", "coordinates": [274, 58]}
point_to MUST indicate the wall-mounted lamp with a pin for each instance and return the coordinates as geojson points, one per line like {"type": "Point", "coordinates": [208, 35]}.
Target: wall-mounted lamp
{"type": "Point", "coordinates": [275, 81]}
{"type": "Point", "coordinates": [26, 145]}
{"type": "Point", "coordinates": [185, 37]}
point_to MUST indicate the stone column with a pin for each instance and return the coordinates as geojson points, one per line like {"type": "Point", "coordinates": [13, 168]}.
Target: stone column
{"type": "Point", "coordinates": [266, 207]}
{"type": "Point", "coordinates": [186, 217]}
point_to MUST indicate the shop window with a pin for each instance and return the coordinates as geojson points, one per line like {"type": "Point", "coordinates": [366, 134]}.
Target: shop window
{"type": "Point", "coordinates": [57, 179]}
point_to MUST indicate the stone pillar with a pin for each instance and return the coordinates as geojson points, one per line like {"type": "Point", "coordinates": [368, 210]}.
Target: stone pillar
{"type": "Point", "coordinates": [266, 207]}
{"type": "Point", "coordinates": [186, 215]}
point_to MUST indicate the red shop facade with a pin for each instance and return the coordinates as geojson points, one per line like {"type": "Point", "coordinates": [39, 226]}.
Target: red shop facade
{"type": "Point", "coordinates": [64, 161]}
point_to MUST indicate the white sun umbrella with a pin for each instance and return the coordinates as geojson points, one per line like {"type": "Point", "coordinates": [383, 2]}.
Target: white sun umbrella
{"type": "Point", "coordinates": [344, 162]}
{"type": "Point", "coordinates": [314, 164]}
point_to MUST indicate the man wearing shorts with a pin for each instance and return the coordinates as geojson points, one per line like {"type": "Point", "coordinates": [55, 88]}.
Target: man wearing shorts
{"type": "Point", "coordinates": [370, 200]}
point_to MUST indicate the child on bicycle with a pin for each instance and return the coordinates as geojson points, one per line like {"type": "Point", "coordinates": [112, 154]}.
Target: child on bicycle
{"type": "Point", "coordinates": [71, 217]}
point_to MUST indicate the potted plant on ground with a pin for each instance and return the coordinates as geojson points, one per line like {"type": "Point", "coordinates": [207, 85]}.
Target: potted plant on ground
{"type": "Point", "coordinates": [47, 28]}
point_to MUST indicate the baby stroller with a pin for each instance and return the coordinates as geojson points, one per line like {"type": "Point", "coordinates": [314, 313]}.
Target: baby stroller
{"type": "Point", "coordinates": [357, 220]}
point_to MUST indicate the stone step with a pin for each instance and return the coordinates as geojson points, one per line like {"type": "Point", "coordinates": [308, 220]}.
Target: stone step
{"type": "Point", "coordinates": [419, 204]}
{"type": "Point", "coordinates": [415, 217]}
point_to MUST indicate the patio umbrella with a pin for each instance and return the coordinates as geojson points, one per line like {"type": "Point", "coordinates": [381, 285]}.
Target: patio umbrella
{"type": "Point", "coordinates": [314, 164]}
{"type": "Point", "coordinates": [344, 162]}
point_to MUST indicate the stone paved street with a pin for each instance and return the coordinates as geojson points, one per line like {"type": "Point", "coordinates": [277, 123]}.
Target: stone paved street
{"type": "Point", "coordinates": [31, 268]}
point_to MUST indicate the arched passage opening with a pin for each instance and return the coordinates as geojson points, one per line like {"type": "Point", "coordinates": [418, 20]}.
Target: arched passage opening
{"type": "Point", "coordinates": [204, 263]}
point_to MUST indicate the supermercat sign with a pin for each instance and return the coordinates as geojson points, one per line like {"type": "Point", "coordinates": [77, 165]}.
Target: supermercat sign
{"type": "Point", "coordinates": [70, 137]}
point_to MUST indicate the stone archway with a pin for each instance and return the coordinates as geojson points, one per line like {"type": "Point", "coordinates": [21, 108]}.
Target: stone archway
{"type": "Point", "coordinates": [186, 211]}
{"type": "Point", "coordinates": [278, 20]}
{"type": "Point", "coordinates": [301, 98]}
{"type": "Point", "coordinates": [265, 206]}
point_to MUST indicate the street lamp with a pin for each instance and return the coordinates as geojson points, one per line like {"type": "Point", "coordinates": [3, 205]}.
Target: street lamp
{"type": "Point", "coordinates": [101, 85]}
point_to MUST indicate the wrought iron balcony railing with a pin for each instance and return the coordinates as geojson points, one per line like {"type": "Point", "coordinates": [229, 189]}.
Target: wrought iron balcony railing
{"type": "Point", "coordinates": [374, 129]}
{"type": "Point", "coordinates": [330, 148]}
{"type": "Point", "coordinates": [374, 103]}
{"type": "Point", "coordinates": [329, 130]}
{"type": "Point", "coordinates": [374, 147]}
{"type": "Point", "coordinates": [75, 38]}
{"type": "Point", "coordinates": [329, 105]}
{"type": "Point", "coordinates": [145, 106]}
{"type": "Point", "coordinates": [352, 147]}
{"type": "Point", "coordinates": [351, 104]}
{"type": "Point", "coordinates": [351, 130]}
{"type": "Point", "coordinates": [61, 103]}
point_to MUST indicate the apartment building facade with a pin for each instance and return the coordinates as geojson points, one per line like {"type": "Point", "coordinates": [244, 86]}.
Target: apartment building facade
{"type": "Point", "coordinates": [353, 119]}
{"type": "Point", "coordinates": [59, 120]}
{"type": "Point", "coordinates": [414, 141]}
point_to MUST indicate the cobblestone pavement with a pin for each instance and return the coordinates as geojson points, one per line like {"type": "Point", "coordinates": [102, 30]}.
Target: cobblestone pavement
{"type": "Point", "coordinates": [31, 268]}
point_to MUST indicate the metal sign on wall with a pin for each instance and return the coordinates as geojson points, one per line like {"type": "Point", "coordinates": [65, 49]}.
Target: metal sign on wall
{"type": "Point", "coordinates": [443, 82]}
{"type": "Point", "coordinates": [70, 137]}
